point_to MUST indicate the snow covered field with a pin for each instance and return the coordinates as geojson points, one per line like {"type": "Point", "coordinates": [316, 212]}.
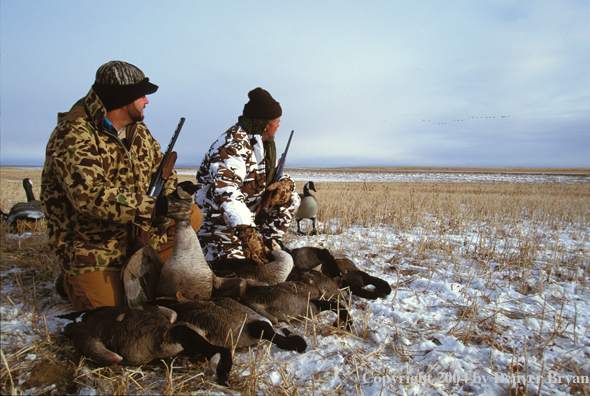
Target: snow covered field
{"type": "Point", "coordinates": [459, 321]}
{"type": "Point", "coordinates": [424, 176]}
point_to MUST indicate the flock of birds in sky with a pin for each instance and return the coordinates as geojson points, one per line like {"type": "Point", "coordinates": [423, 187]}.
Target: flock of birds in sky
{"type": "Point", "coordinates": [467, 119]}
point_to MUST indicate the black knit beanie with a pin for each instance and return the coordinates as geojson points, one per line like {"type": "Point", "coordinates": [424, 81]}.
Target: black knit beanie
{"type": "Point", "coordinates": [119, 83]}
{"type": "Point", "coordinates": [261, 106]}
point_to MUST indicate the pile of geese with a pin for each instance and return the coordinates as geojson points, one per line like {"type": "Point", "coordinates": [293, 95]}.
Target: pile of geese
{"type": "Point", "coordinates": [189, 307]}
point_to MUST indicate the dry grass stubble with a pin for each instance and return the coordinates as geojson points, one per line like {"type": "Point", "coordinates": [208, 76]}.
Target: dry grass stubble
{"type": "Point", "coordinates": [478, 228]}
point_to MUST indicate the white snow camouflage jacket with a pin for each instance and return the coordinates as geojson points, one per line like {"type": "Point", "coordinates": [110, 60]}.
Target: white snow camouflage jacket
{"type": "Point", "coordinates": [232, 178]}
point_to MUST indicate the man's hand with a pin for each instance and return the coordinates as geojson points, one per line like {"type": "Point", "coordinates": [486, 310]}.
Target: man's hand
{"type": "Point", "coordinates": [253, 245]}
{"type": "Point", "coordinates": [281, 192]}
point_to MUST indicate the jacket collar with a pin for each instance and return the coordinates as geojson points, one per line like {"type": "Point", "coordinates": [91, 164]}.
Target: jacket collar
{"type": "Point", "coordinates": [89, 106]}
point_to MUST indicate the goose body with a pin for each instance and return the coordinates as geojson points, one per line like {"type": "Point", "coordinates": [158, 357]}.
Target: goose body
{"type": "Point", "coordinates": [308, 209]}
{"type": "Point", "coordinates": [227, 323]}
{"type": "Point", "coordinates": [329, 289]}
{"type": "Point", "coordinates": [133, 336]}
{"type": "Point", "coordinates": [270, 273]}
{"type": "Point", "coordinates": [288, 300]}
{"type": "Point", "coordinates": [342, 270]}
{"type": "Point", "coordinates": [186, 271]}
{"type": "Point", "coordinates": [30, 210]}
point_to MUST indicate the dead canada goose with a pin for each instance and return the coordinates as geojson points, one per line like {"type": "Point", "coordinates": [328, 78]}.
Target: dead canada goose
{"type": "Point", "coordinates": [31, 210]}
{"type": "Point", "coordinates": [186, 271]}
{"type": "Point", "coordinates": [308, 209]}
{"type": "Point", "coordinates": [358, 280]}
{"type": "Point", "coordinates": [328, 288]}
{"type": "Point", "coordinates": [134, 336]}
{"type": "Point", "coordinates": [288, 300]}
{"type": "Point", "coordinates": [140, 275]}
{"type": "Point", "coordinates": [227, 323]}
{"type": "Point", "coordinates": [270, 273]}
{"type": "Point", "coordinates": [340, 268]}
{"type": "Point", "coordinates": [146, 277]}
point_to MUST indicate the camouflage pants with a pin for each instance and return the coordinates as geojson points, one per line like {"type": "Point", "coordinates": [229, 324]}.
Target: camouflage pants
{"type": "Point", "coordinates": [219, 242]}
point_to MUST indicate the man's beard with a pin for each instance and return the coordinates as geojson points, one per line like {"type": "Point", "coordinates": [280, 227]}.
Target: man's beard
{"type": "Point", "coordinates": [134, 113]}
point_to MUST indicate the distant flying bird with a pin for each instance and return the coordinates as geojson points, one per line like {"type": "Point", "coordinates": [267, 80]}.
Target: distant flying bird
{"type": "Point", "coordinates": [467, 119]}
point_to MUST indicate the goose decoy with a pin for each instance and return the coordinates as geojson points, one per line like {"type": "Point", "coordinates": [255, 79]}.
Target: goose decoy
{"type": "Point", "coordinates": [31, 210]}
{"type": "Point", "coordinates": [308, 209]}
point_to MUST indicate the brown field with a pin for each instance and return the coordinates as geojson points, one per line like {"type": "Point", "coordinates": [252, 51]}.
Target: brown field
{"type": "Point", "coordinates": [494, 212]}
{"type": "Point", "coordinates": [12, 192]}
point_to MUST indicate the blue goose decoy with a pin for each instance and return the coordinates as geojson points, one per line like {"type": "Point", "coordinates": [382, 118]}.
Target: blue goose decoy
{"type": "Point", "coordinates": [308, 209]}
{"type": "Point", "coordinates": [30, 210]}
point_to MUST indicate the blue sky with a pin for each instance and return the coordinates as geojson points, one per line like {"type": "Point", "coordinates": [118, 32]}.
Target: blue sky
{"type": "Point", "coordinates": [383, 83]}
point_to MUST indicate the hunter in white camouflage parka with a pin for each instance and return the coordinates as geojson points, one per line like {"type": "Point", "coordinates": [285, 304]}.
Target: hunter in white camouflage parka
{"type": "Point", "coordinates": [232, 179]}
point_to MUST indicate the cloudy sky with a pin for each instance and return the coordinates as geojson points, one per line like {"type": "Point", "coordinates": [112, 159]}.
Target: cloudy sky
{"type": "Point", "coordinates": [389, 83]}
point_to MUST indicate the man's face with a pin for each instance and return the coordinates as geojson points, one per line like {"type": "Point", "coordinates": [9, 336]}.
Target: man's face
{"type": "Point", "coordinates": [270, 130]}
{"type": "Point", "coordinates": [135, 109]}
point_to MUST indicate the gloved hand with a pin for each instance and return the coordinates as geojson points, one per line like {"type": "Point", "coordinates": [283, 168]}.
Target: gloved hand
{"type": "Point", "coordinates": [253, 245]}
{"type": "Point", "coordinates": [281, 192]}
{"type": "Point", "coordinates": [174, 207]}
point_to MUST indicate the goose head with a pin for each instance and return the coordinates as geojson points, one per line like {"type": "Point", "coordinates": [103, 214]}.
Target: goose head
{"type": "Point", "coordinates": [308, 186]}
{"type": "Point", "coordinates": [28, 186]}
{"type": "Point", "coordinates": [185, 190]}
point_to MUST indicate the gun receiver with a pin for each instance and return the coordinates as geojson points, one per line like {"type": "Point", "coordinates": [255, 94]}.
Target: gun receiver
{"type": "Point", "coordinates": [166, 166]}
{"type": "Point", "coordinates": [142, 238]}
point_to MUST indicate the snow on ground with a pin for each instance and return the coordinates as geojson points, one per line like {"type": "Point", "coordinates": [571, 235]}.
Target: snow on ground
{"type": "Point", "coordinates": [453, 324]}
{"type": "Point", "coordinates": [412, 342]}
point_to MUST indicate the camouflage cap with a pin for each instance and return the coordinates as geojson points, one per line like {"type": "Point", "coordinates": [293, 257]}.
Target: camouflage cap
{"type": "Point", "coordinates": [119, 73]}
{"type": "Point", "coordinates": [119, 83]}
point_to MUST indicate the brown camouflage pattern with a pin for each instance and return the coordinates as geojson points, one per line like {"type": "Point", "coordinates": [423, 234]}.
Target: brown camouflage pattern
{"type": "Point", "coordinates": [253, 246]}
{"type": "Point", "coordinates": [94, 189]}
{"type": "Point", "coordinates": [281, 192]}
{"type": "Point", "coordinates": [232, 180]}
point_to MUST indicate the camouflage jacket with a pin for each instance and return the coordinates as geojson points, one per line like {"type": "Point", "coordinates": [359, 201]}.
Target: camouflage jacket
{"type": "Point", "coordinates": [232, 179]}
{"type": "Point", "coordinates": [94, 188]}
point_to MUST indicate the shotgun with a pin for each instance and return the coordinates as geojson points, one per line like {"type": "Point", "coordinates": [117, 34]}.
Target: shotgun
{"type": "Point", "coordinates": [281, 165]}
{"type": "Point", "coordinates": [165, 169]}
{"type": "Point", "coordinates": [157, 183]}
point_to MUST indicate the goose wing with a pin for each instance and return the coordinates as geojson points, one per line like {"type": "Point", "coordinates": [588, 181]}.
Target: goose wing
{"type": "Point", "coordinates": [140, 275]}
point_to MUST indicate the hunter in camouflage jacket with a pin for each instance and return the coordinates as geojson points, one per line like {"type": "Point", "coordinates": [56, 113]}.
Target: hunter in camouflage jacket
{"type": "Point", "coordinates": [94, 188]}
{"type": "Point", "coordinates": [232, 179]}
